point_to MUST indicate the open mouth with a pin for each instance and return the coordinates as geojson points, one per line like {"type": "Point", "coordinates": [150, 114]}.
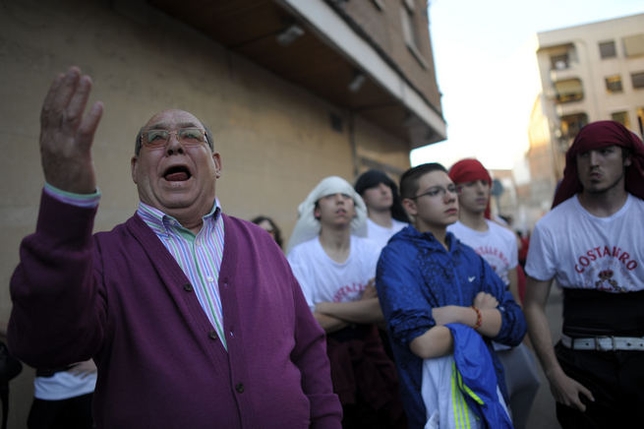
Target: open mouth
{"type": "Point", "coordinates": [177, 174]}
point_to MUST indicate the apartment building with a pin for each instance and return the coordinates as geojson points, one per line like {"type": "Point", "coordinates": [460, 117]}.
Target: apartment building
{"type": "Point", "coordinates": [588, 73]}
{"type": "Point", "coordinates": [293, 91]}
{"type": "Point", "coordinates": [592, 72]}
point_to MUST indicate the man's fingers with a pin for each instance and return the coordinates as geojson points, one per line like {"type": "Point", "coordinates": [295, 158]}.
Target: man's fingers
{"type": "Point", "coordinates": [90, 123]}
{"type": "Point", "coordinates": [49, 98]}
{"type": "Point", "coordinates": [60, 93]}
{"type": "Point", "coordinates": [76, 105]}
{"type": "Point", "coordinates": [587, 393]}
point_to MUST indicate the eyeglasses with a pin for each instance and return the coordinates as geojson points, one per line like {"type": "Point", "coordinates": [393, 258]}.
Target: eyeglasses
{"type": "Point", "coordinates": [187, 137]}
{"type": "Point", "coordinates": [437, 191]}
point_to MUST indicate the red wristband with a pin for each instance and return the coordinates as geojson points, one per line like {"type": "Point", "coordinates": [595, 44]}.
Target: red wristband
{"type": "Point", "coordinates": [479, 318]}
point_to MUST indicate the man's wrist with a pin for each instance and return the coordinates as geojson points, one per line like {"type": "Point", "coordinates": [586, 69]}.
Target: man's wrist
{"type": "Point", "coordinates": [79, 200]}
{"type": "Point", "coordinates": [479, 317]}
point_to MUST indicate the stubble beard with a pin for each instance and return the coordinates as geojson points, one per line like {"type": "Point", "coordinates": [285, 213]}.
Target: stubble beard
{"type": "Point", "coordinates": [603, 190]}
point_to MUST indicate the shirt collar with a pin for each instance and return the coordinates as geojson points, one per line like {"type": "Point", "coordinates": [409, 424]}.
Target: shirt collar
{"type": "Point", "coordinates": [162, 223]}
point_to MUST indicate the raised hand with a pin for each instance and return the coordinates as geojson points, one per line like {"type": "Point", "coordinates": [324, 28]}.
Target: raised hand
{"type": "Point", "coordinates": [67, 134]}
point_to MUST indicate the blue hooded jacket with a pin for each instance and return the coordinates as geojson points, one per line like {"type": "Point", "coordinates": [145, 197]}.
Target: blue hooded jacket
{"type": "Point", "coordinates": [416, 274]}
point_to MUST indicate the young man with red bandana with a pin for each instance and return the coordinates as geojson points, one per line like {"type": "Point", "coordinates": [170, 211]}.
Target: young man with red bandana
{"type": "Point", "coordinates": [591, 244]}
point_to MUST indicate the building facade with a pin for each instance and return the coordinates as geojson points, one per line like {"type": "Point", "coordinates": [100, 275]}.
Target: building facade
{"type": "Point", "coordinates": [591, 72]}
{"type": "Point", "coordinates": [292, 90]}
{"type": "Point", "coordinates": [588, 73]}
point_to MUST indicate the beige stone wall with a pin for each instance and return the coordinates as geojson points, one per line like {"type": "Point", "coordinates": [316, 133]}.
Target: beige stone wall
{"type": "Point", "coordinates": [275, 139]}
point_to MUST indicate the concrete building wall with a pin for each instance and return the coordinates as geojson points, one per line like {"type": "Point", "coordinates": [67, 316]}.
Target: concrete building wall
{"type": "Point", "coordinates": [276, 140]}
{"type": "Point", "coordinates": [581, 44]}
{"type": "Point", "coordinates": [574, 53]}
{"type": "Point", "coordinates": [383, 21]}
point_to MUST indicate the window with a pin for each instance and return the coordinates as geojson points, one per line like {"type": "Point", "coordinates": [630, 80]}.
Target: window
{"type": "Point", "coordinates": [607, 50]}
{"type": "Point", "coordinates": [622, 118]}
{"type": "Point", "coordinates": [638, 80]}
{"type": "Point", "coordinates": [571, 124]}
{"type": "Point", "coordinates": [634, 46]}
{"type": "Point", "coordinates": [410, 32]}
{"type": "Point", "coordinates": [561, 56]}
{"type": "Point", "coordinates": [614, 84]}
{"type": "Point", "coordinates": [569, 90]}
{"type": "Point", "coordinates": [559, 62]}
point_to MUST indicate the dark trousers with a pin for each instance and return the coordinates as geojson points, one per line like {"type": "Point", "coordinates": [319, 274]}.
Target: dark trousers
{"type": "Point", "coordinates": [616, 380]}
{"type": "Point", "coordinates": [72, 413]}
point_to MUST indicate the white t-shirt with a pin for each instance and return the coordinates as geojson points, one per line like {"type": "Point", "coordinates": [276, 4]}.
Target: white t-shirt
{"type": "Point", "coordinates": [324, 280]}
{"type": "Point", "coordinates": [381, 235]}
{"type": "Point", "coordinates": [587, 252]}
{"type": "Point", "coordinates": [497, 245]}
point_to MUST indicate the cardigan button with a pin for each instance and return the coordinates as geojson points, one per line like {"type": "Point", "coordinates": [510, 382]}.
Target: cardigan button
{"type": "Point", "coordinates": [187, 287]}
{"type": "Point", "coordinates": [213, 335]}
{"type": "Point", "coordinates": [239, 387]}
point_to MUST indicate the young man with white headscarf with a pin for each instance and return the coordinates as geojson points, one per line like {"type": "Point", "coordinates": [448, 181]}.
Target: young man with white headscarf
{"type": "Point", "coordinates": [336, 271]}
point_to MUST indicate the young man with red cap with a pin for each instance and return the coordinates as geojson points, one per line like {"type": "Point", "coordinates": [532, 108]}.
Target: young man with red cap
{"type": "Point", "coordinates": [496, 244]}
{"type": "Point", "coordinates": [591, 244]}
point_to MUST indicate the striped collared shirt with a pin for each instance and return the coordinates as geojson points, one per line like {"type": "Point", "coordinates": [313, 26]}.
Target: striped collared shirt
{"type": "Point", "coordinates": [199, 256]}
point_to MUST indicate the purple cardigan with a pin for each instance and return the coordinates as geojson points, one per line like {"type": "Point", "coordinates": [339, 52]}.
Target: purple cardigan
{"type": "Point", "coordinates": [121, 298]}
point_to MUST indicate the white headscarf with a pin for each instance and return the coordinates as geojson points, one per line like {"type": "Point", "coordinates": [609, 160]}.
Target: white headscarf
{"type": "Point", "coordinates": [308, 227]}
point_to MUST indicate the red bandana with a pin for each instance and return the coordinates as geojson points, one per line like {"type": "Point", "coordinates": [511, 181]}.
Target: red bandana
{"type": "Point", "coordinates": [470, 170]}
{"type": "Point", "coordinates": [597, 135]}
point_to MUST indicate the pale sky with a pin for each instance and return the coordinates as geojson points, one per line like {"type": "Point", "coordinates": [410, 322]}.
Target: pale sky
{"type": "Point", "coordinates": [485, 59]}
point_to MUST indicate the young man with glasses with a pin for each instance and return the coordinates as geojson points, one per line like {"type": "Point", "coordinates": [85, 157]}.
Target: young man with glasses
{"type": "Point", "coordinates": [592, 244]}
{"type": "Point", "coordinates": [193, 317]}
{"type": "Point", "coordinates": [440, 299]}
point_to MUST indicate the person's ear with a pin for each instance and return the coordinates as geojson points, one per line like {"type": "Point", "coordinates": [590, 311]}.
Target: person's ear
{"type": "Point", "coordinates": [218, 167]}
{"type": "Point", "coordinates": [133, 167]}
{"type": "Point", "coordinates": [410, 206]}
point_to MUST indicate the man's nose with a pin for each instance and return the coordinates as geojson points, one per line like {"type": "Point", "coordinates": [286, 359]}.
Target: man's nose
{"type": "Point", "coordinates": [174, 144]}
{"type": "Point", "coordinates": [339, 198]}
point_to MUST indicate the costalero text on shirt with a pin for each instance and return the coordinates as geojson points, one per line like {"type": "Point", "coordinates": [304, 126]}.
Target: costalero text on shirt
{"type": "Point", "coordinates": [600, 252]}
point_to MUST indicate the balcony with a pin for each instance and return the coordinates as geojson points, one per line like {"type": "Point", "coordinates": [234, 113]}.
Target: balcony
{"type": "Point", "coordinates": [564, 71]}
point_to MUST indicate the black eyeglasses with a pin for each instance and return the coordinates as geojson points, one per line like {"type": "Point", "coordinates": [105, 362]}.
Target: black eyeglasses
{"type": "Point", "coordinates": [187, 136]}
{"type": "Point", "coordinates": [437, 191]}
